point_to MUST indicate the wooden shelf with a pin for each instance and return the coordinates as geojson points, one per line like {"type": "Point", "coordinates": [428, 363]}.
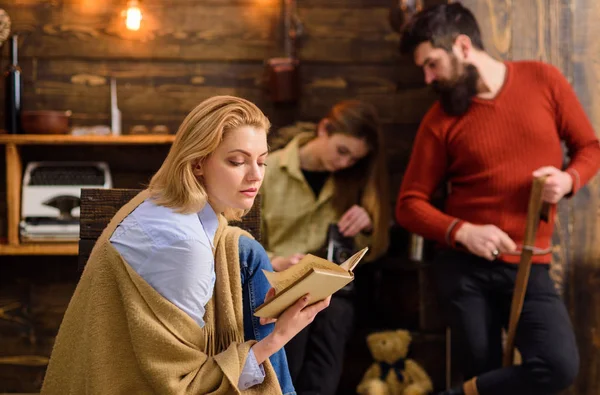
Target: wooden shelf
{"type": "Point", "coordinates": [60, 139]}
{"type": "Point", "coordinates": [14, 177]}
{"type": "Point", "coordinates": [40, 249]}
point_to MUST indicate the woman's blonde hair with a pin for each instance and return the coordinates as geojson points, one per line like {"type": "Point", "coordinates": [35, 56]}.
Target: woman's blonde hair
{"type": "Point", "coordinates": [203, 129]}
{"type": "Point", "coordinates": [366, 182]}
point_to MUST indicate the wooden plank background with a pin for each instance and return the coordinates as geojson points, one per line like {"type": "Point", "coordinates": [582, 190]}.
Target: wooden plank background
{"type": "Point", "coordinates": [187, 51]}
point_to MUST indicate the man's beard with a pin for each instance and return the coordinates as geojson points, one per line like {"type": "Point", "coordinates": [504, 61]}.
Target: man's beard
{"type": "Point", "coordinates": [456, 95]}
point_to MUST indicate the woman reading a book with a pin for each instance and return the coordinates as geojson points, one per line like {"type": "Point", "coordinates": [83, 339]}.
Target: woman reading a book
{"type": "Point", "coordinates": [332, 172]}
{"type": "Point", "coordinates": [166, 299]}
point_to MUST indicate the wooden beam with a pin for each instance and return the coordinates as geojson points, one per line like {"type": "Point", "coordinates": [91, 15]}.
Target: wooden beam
{"type": "Point", "coordinates": [583, 294]}
{"type": "Point", "coordinates": [14, 175]}
{"type": "Point", "coordinates": [13, 140]}
{"type": "Point", "coordinates": [39, 249]}
{"type": "Point", "coordinates": [188, 30]}
{"type": "Point", "coordinates": [529, 28]}
{"type": "Point", "coordinates": [348, 35]}
{"type": "Point", "coordinates": [201, 32]}
{"type": "Point", "coordinates": [153, 93]}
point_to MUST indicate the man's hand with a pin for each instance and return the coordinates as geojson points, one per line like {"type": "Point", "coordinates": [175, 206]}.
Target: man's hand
{"type": "Point", "coordinates": [280, 263]}
{"type": "Point", "coordinates": [486, 241]}
{"type": "Point", "coordinates": [558, 184]}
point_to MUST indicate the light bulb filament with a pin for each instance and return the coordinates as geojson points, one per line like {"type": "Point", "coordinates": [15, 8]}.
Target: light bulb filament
{"type": "Point", "coordinates": [133, 16]}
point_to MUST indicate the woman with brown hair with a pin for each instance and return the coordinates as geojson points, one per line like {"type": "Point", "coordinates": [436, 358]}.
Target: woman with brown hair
{"type": "Point", "coordinates": [330, 173]}
{"type": "Point", "coordinates": [166, 299]}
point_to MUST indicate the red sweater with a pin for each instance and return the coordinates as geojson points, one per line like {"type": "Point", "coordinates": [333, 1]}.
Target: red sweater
{"type": "Point", "coordinates": [489, 154]}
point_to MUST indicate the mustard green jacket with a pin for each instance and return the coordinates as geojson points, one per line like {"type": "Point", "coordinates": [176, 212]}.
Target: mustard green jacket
{"type": "Point", "coordinates": [293, 220]}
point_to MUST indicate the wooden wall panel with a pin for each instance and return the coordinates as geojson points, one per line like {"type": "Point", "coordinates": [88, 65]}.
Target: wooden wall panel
{"type": "Point", "coordinates": [180, 31]}
{"type": "Point", "coordinates": [3, 208]}
{"type": "Point", "coordinates": [559, 35]}
{"type": "Point", "coordinates": [187, 51]}
{"type": "Point", "coordinates": [529, 28]}
{"type": "Point", "coordinates": [38, 292]}
{"type": "Point", "coordinates": [583, 288]}
{"type": "Point", "coordinates": [541, 31]}
{"type": "Point", "coordinates": [200, 32]}
{"type": "Point", "coordinates": [345, 3]}
{"type": "Point", "coordinates": [494, 17]}
{"type": "Point", "coordinates": [348, 35]}
{"type": "Point", "coordinates": [164, 92]}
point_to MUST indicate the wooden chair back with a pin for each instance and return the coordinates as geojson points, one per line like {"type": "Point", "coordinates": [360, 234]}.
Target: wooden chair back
{"type": "Point", "coordinates": [98, 206]}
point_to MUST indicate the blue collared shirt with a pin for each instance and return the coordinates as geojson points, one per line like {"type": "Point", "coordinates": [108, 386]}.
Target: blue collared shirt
{"type": "Point", "coordinates": [173, 252]}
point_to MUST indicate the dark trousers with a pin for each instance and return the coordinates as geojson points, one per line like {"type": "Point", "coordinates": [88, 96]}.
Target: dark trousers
{"type": "Point", "coordinates": [477, 295]}
{"type": "Point", "coordinates": [316, 355]}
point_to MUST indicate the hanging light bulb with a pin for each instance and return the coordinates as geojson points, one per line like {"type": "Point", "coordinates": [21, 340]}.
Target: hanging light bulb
{"type": "Point", "coordinates": [133, 15]}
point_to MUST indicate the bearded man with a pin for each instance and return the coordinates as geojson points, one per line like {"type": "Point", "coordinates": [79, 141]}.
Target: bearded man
{"type": "Point", "coordinates": [495, 127]}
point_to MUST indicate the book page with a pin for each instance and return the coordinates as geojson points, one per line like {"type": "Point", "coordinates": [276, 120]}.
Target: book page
{"type": "Point", "coordinates": [350, 263]}
{"type": "Point", "coordinates": [281, 280]}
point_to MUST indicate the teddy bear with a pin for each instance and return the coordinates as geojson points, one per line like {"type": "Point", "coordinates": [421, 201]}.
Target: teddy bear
{"type": "Point", "coordinates": [392, 373]}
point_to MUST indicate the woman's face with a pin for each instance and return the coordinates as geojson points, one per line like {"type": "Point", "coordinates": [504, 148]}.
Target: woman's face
{"type": "Point", "coordinates": [341, 151]}
{"type": "Point", "coordinates": [232, 175]}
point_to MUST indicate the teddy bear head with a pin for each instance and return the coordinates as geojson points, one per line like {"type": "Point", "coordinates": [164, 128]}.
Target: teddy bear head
{"type": "Point", "coordinates": [389, 346]}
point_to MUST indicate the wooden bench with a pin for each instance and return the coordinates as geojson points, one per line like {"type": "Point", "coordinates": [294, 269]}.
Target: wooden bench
{"type": "Point", "coordinates": [98, 206]}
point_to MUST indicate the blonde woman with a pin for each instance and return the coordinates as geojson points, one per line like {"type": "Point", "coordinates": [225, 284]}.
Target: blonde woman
{"type": "Point", "coordinates": [165, 302]}
{"type": "Point", "coordinates": [333, 172]}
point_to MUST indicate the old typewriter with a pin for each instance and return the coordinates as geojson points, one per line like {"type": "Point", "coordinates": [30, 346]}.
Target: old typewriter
{"type": "Point", "coordinates": [50, 201]}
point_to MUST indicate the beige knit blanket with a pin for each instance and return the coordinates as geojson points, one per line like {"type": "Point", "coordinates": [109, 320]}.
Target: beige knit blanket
{"type": "Point", "coordinates": [120, 336]}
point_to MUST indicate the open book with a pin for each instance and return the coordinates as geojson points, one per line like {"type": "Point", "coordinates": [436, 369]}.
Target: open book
{"type": "Point", "coordinates": [312, 275]}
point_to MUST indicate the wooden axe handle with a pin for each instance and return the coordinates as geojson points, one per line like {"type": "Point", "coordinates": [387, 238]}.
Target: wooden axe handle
{"type": "Point", "coordinates": [534, 213]}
